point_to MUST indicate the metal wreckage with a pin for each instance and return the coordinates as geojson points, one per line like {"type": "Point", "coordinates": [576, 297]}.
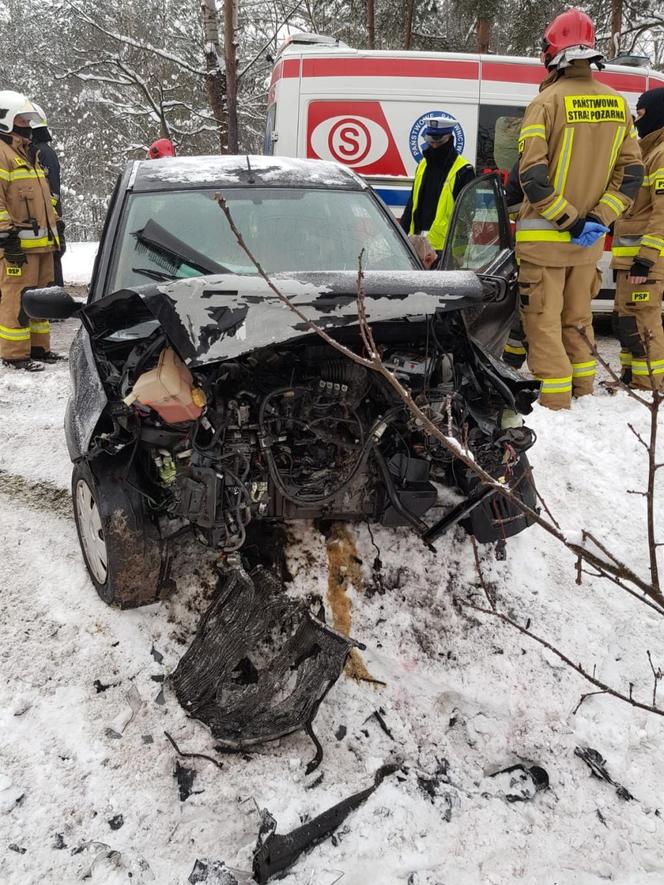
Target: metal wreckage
{"type": "Point", "coordinates": [207, 405]}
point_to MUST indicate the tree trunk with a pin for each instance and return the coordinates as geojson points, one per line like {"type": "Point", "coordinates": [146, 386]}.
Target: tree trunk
{"type": "Point", "coordinates": [215, 82]}
{"type": "Point", "coordinates": [230, 27]}
{"type": "Point", "coordinates": [371, 43]}
{"type": "Point", "coordinates": [483, 35]}
{"type": "Point", "coordinates": [616, 27]}
{"type": "Point", "coordinates": [410, 14]}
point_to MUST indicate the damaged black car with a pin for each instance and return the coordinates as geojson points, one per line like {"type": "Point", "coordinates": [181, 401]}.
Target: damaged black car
{"type": "Point", "coordinates": [200, 402]}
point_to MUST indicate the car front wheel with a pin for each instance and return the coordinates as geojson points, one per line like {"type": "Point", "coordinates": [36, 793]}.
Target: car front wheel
{"type": "Point", "coordinates": [121, 545]}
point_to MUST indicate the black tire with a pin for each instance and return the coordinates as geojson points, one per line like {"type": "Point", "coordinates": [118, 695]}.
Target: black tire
{"type": "Point", "coordinates": [123, 551]}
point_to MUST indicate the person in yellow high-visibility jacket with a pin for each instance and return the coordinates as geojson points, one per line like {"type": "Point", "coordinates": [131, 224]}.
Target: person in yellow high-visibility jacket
{"type": "Point", "coordinates": [638, 256]}
{"type": "Point", "coordinates": [28, 236]}
{"type": "Point", "coordinates": [580, 169]}
{"type": "Point", "coordinates": [440, 176]}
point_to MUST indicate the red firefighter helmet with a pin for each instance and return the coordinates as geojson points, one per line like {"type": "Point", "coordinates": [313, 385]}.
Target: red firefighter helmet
{"type": "Point", "coordinates": [163, 147]}
{"type": "Point", "coordinates": [571, 29]}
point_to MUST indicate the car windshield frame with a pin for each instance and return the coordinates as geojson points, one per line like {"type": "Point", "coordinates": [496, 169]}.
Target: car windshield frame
{"type": "Point", "coordinates": [398, 254]}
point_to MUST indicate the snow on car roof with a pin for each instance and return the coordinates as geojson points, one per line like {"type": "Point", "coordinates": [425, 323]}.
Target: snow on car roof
{"type": "Point", "coordinates": [175, 172]}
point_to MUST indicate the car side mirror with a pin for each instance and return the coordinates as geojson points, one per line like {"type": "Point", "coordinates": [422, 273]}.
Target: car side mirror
{"type": "Point", "coordinates": [51, 303]}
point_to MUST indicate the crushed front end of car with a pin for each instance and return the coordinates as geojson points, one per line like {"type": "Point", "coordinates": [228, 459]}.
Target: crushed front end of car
{"type": "Point", "coordinates": [237, 411]}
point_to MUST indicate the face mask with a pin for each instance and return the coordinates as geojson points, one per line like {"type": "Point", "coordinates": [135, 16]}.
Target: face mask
{"type": "Point", "coordinates": [24, 132]}
{"type": "Point", "coordinates": [652, 102]}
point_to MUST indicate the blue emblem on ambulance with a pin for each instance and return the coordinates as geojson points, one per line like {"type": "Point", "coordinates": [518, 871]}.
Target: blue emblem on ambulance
{"type": "Point", "coordinates": [416, 139]}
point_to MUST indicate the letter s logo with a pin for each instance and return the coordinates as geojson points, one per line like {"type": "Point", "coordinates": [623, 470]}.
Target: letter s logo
{"type": "Point", "coordinates": [353, 141]}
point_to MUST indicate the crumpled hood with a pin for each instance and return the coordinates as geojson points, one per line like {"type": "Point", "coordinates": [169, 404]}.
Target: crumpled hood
{"type": "Point", "coordinates": [222, 317]}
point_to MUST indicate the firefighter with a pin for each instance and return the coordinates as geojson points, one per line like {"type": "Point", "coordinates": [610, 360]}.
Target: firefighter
{"type": "Point", "coordinates": [162, 147]}
{"type": "Point", "coordinates": [48, 160]}
{"type": "Point", "coordinates": [638, 255]}
{"type": "Point", "coordinates": [28, 236]}
{"type": "Point", "coordinates": [439, 178]}
{"type": "Point", "coordinates": [580, 169]}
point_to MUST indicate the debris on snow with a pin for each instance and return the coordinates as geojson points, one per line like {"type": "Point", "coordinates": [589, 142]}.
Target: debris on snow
{"type": "Point", "coordinates": [275, 853]}
{"type": "Point", "coordinates": [213, 872]}
{"type": "Point", "coordinates": [260, 663]}
{"type": "Point", "coordinates": [122, 720]}
{"type": "Point", "coordinates": [185, 780]}
{"type": "Point", "coordinates": [597, 765]}
{"type": "Point", "coordinates": [520, 782]}
{"type": "Point", "coordinates": [116, 822]}
{"type": "Point", "coordinates": [101, 686]}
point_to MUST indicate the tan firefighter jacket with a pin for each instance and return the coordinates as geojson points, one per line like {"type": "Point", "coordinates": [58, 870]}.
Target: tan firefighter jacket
{"type": "Point", "coordinates": [640, 231]}
{"type": "Point", "coordinates": [579, 157]}
{"type": "Point", "coordinates": [26, 204]}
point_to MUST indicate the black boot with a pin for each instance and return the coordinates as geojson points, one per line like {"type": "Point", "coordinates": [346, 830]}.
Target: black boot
{"type": "Point", "coordinates": [46, 356]}
{"type": "Point", "coordinates": [27, 365]}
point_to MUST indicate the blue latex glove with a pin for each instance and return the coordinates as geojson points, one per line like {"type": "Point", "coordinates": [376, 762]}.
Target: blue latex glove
{"type": "Point", "coordinates": [591, 232]}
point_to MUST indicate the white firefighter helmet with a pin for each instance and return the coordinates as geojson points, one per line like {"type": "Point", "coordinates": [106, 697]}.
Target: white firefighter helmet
{"type": "Point", "coordinates": [12, 105]}
{"type": "Point", "coordinates": [41, 121]}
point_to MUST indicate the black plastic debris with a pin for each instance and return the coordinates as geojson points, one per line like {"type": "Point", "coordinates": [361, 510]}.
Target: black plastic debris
{"type": "Point", "coordinates": [597, 765]}
{"type": "Point", "coordinates": [213, 872]}
{"type": "Point", "coordinates": [59, 842]}
{"type": "Point", "coordinates": [101, 686]}
{"type": "Point", "coordinates": [379, 715]}
{"type": "Point", "coordinates": [157, 655]}
{"type": "Point", "coordinates": [521, 783]}
{"type": "Point", "coordinates": [260, 663]}
{"type": "Point", "coordinates": [17, 848]}
{"type": "Point", "coordinates": [116, 822]}
{"type": "Point", "coordinates": [185, 780]}
{"type": "Point", "coordinates": [275, 853]}
{"type": "Point", "coordinates": [430, 783]}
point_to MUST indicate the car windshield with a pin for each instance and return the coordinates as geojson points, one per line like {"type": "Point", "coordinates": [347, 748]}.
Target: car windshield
{"type": "Point", "coordinates": [287, 229]}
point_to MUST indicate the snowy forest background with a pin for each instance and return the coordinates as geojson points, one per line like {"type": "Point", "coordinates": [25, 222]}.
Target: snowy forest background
{"type": "Point", "coordinates": [113, 77]}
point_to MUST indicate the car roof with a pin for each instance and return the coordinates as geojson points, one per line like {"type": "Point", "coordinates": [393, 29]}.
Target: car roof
{"type": "Point", "coordinates": [177, 173]}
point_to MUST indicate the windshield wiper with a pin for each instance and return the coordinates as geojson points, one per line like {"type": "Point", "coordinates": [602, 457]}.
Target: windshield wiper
{"type": "Point", "coordinates": [157, 275]}
{"type": "Point", "coordinates": [155, 238]}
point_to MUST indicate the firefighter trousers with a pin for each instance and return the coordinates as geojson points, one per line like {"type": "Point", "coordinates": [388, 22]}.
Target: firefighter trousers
{"type": "Point", "coordinates": [640, 329]}
{"type": "Point", "coordinates": [18, 333]}
{"type": "Point", "coordinates": [555, 303]}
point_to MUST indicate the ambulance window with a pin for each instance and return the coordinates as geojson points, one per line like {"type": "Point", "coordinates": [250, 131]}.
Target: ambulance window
{"type": "Point", "coordinates": [268, 143]}
{"type": "Point", "coordinates": [498, 138]}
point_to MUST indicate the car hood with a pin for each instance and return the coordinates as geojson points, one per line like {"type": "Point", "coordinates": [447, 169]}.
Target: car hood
{"type": "Point", "coordinates": [213, 318]}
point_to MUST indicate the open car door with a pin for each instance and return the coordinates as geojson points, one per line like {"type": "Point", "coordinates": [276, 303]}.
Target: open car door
{"type": "Point", "coordinates": [480, 239]}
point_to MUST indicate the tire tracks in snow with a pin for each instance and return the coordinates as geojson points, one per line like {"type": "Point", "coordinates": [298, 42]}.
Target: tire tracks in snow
{"type": "Point", "coordinates": [36, 494]}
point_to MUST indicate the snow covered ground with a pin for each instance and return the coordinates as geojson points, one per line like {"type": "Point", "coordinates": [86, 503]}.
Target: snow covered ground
{"type": "Point", "coordinates": [77, 262]}
{"type": "Point", "coordinates": [87, 787]}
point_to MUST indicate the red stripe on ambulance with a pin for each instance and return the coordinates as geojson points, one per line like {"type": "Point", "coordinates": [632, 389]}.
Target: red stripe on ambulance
{"type": "Point", "coordinates": [390, 67]}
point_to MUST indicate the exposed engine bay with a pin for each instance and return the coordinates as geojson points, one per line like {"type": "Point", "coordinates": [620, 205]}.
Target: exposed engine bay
{"type": "Point", "coordinates": [298, 431]}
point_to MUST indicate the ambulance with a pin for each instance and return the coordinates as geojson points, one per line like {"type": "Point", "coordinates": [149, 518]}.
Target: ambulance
{"type": "Point", "coordinates": [366, 108]}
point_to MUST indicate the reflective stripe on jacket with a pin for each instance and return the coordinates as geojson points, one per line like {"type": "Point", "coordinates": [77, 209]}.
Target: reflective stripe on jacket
{"type": "Point", "coordinates": [579, 157]}
{"type": "Point", "coordinates": [640, 232]}
{"type": "Point", "coordinates": [438, 230]}
{"type": "Point", "coordinates": [25, 199]}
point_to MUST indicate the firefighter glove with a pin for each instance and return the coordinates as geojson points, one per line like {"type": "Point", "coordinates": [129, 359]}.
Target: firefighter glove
{"type": "Point", "coordinates": [640, 268]}
{"type": "Point", "coordinates": [591, 232]}
{"type": "Point", "coordinates": [14, 254]}
{"type": "Point", "coordinates": [61, 236]}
